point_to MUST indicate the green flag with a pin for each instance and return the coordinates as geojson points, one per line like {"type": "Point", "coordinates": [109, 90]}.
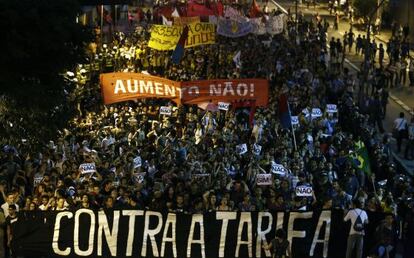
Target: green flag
{"type": "Point", "coordinates": [363, 157]}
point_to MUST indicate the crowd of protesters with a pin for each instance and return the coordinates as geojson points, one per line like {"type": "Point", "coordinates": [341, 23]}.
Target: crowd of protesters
{"type": "Point", "coordinates": [188, 163]}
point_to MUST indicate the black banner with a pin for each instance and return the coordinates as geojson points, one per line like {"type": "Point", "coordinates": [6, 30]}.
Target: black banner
{"type": "Point", "coordinates": [138, 233]}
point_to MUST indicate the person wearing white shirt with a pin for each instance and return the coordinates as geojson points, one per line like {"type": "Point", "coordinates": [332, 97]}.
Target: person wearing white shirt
{"type": "Point", "coordinates": [400, 125]}
{"type": "Point", "coordinates": [355, 238]}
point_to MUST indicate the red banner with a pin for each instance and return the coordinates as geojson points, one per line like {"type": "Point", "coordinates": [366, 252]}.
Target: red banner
{"type": "Point", "coordinates": [118, 87]}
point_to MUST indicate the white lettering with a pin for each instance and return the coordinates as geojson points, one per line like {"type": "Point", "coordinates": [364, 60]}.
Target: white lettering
{"type": "Point", "coordinates": [111, 238]}
{"type": "Point", "coordinates": [159, 90]}
{"type": "Point", "coordinates": [119, 86]}
{"type": "Point", "coordinates": [169, 90]}
{"type": "Point", "coordinates": [171, 221]}
{"type": "Point", "coordinates": [88, 251]}
{"type": "Point", "coordinates": [132, 214]}
{"type": "Point", "coordinates": [151, 233]}
{"type": "Point", "coordinates": [194, 90]}
{"type": "Point", "coordinates": [228, 88]}
{"type": "Point", "coordinates": [325, 217]}
{"type": "Point", "coordinates": [215, 90]}
{"type": "Point", "coordinates": [129, 85]}
{"type": "Point", "coordinates": [196, 219]}
{"type": "Point", "coordinates": [146, 87]}
{"type": "Point", "coordinates": [225, 216]}
{"type": "Point", "coordinates": [280, 218]}
{"type": "Point", "coordinates": [242, 89]}
{"type": "Point", "coordinates": [261, 235]}
{"type": "Point", "coordinates": [245, 218]}
{"type": "Point", "coordinates": [296, 233]}
{"type": "Point", "coordinates": [55, 243]}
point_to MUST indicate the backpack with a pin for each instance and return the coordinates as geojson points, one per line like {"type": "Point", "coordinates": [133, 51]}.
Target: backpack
{"type": "Point", "coordinates": [358, 225]}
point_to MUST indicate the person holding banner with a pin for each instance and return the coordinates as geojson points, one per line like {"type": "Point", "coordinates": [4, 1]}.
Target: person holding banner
{"type": "Point", "coordinates": [279, 246]}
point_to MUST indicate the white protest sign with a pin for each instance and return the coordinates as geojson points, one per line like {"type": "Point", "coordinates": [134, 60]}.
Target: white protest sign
{"type": "Point", "coordinates": [137, 162]}
{"type": "Point", "coordinates": [278, 169]}
{"type": "Point", "coordinates": [305, 112]}
{"type": "Point", "coordinates": [257, 149]}
{"type": "Point", "coordinates": [304, 191]}
{"type": "Point", "coordinates": [200, 175]}
{"type": "Point", "coordinates": [139, 177]}
{"type": "Point", "coordinates": [316, 112]}
{"type": "Point", "coordinates": [223, 106]}
{"type": "Point", "coordinates": [164, 110]}
{"type": "Point", "coordinates": [294, 120]}
{"type": "Point", "coordinates": [87, 168]}
{"type": "Point", "coordinates": [37, 180]}
{"type": "Point", "coordinates": [264, 179]}
{"type": "Point", "coordinates": [331, 108]}
{"type": "Point", "coordinates": [241, 149]}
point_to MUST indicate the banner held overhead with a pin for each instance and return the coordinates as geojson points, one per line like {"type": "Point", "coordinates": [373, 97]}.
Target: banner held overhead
{"type": "Point", "coordinates": [165, 37]}
{"type": "Point", "coordinates": [118, 87]}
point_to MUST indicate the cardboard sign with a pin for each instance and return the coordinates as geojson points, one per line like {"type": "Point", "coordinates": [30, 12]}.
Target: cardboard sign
{"type": "Point", "coordinates": [139, 177]}
{"type": "Point", "coordinates": [137, 162]}
{"type": "Point", "coordinates": [37, 180]}
{"type": "Point", "coordinates": [165, 111]}
{"type": "Point", "coordinates": [230, 171]}
{"type": "Point", "coordinates": [278, 169]}
{"type": "Point", "coordinates": [275, 25]}
{"type": "Point", "coordinates": [223, 106]}
{"type": "Point", "coordinates": [304, 191]}
{"type": "Point", "coordinates": [257, 149]}
{"type": "Point", "coordinates": [264, 179]}
{"type": "Point", "coordinates": [87, 168]}
{"type": "Point", "coordinates": [294, 120]}
{"type": "Point", "coordinates": [331, 108]}
{"type": "Point", "coordinates": [306, 112]}
{"type": "Point", "coordinates": [316, 112]}
{"type": "Point", "coordinates": [241, 149]}
{"type": "Point", "coordinates": [165, 37]}
{"type": "Point", "coordinates": [195, 176]}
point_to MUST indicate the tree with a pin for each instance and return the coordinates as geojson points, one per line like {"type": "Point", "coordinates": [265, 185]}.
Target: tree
{"type": "Point", "coordinates": [40, 41]}
{"type": "Point", "coordinates": [364, 7]}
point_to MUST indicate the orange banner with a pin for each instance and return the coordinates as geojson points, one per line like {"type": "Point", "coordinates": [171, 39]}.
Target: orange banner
{"type": "Point", "coordinates": [117, 87]}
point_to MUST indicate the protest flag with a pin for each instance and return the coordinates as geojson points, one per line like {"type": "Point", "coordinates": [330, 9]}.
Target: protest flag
{"type": "Point", "coordinates": [165, 21]}
{"type": "Point", "coordinates": [285, 117]}
{"type": "Point", "coordinates": [363, 157]}
{"type": "Point", "coordinates": [179, 49]}
{"type": "Point", "coordinates": [284, 112]}
{"type": "Point", "coordinates": [175, 13]}
{"type": "Point", "coordinates": [236, 59]}
{"type": "Point", "coordinates": [254, 11]}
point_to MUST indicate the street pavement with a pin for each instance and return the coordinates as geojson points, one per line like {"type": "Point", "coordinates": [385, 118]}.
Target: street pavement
{"type": "Point", "coordinates": [401, 98]}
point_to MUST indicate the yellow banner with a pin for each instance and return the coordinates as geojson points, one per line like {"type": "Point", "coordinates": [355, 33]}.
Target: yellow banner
{"type": "Point", "coordinates": [165, 37]}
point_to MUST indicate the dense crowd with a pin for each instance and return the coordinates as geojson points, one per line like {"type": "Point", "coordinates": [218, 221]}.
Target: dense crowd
{"type": "Point", "coordinates": [188, 163]}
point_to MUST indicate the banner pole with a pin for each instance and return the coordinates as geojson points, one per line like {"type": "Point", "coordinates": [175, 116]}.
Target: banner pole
{"type": "Point", "coordinates": [293, 129]}
{"type": "Point", "coordinates": [102, 11]}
